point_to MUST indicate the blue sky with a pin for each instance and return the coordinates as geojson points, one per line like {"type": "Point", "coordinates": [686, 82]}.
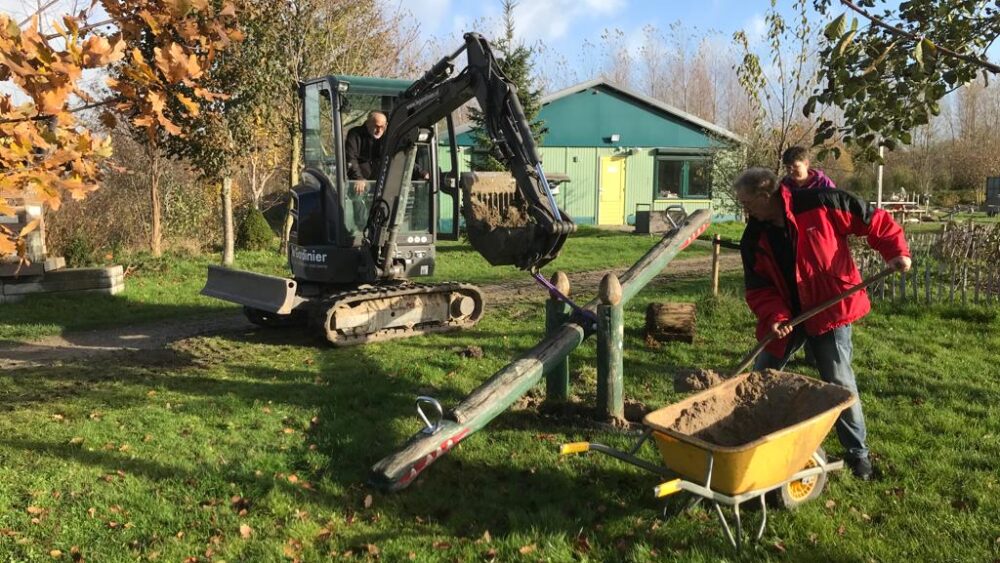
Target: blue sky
{"type": "Point", "coordinates": [562, 24]}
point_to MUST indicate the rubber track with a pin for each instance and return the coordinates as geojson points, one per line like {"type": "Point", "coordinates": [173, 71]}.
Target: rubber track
{"type": "Point", "coordinates": [376, 292]}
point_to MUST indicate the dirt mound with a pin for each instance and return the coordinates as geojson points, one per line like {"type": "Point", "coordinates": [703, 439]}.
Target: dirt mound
{"type": "Point", "coordinates": [696, 380]}
{"type": "Point", "coordinates": [761, 404]}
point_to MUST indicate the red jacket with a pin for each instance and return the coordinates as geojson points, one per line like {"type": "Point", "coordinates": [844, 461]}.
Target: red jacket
{"type": "Point", "coordinates": [819, 222]}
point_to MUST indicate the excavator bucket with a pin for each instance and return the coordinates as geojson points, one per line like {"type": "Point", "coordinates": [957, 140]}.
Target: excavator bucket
{"type": "Point", "coordinates": [499, 225]}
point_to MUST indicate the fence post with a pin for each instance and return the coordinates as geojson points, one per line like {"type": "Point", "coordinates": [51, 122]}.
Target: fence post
{"type": "Point", "coordinates": [610, 337]}
{"type": "Point", "coordinates": [902, 287]}
{"type": "Point", "coordinates": [927, 281]}
{"type": "Point", "coordinates": [716, 251]}
{"type": "Point", "coordinates": [975, 293]}
{"type": "Point", "coordinates": [965, 282]}
{"type": "Point", "coordinates": [556, 314]}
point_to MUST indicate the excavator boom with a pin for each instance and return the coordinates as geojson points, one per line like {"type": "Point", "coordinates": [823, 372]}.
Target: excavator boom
{"type": "Point", "coordinates": [526, 229]}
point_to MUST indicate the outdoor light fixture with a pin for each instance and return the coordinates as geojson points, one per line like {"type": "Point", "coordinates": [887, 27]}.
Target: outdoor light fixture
{"type": "Point", "coordinates": [615, 137]}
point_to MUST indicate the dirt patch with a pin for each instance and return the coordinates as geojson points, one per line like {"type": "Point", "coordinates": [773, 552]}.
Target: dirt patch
{"type": "Point", "coordinates": [687, 380]}
{"type": "Point", "coordinates": [474, 352]}
{"type": "Point", "coordinates": [760, 405]}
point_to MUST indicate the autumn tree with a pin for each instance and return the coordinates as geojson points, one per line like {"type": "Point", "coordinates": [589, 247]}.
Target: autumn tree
{"type": "Point", "coordinates": [888, 66]}
{"type": "Point", "coordinates": [160, 81]}
{"type": "Point", "coordinates": [221, 140]}
{"type": "Point", "coordinates": [44, 153]}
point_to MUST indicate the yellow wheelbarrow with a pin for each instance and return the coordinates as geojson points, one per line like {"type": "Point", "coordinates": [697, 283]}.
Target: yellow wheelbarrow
{"type": "Point", "coordinates": [754, 434]}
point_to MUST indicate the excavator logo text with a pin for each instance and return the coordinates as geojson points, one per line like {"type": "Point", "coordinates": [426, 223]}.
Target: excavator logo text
{"type": "Point", "coordinates": [308, 256]}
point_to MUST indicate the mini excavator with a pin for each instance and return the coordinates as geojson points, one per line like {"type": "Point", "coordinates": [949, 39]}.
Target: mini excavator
{"type": "Point", "coordinates": [353, 255]}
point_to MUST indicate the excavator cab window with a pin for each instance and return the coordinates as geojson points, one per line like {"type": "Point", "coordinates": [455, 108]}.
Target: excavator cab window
{"type": "Point", "coordinates": [319, 142]}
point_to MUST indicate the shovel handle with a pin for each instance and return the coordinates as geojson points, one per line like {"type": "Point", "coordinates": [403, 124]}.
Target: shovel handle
{"type": "Point", "coordinates": [752, 355]}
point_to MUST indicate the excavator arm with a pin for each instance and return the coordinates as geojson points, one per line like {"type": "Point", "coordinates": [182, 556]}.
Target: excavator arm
{"type": "Point", "coordinates": [540, 235]}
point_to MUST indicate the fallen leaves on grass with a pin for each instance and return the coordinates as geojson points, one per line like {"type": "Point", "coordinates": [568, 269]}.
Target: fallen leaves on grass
{"type": "Point", "coordinates": [526, 549]}
{"type": "Point", "coordinates": [245, 531]}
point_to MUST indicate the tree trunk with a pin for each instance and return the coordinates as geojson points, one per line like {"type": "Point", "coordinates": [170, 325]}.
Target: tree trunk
{"type": "Point", "coordinates": [293, 180]}
{"type": "Point", "coordinates": [154, 195]}
{"type": "Point", "coordinates": [227, 221]}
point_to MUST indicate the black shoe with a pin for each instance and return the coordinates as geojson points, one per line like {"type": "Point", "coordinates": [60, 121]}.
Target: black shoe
{"type": "Point", "coordinates": [861, 467]}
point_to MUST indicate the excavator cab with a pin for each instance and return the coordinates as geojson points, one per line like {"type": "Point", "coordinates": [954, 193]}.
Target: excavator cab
{"type": "Point", "coordinates": [331, 210]}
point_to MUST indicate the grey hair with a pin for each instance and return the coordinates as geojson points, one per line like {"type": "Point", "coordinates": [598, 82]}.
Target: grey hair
{"type": "Point", "coordinates": [757, 181]}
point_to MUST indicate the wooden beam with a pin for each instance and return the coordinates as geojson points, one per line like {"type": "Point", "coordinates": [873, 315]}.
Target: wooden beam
{"type": "Point", "coordinates": [496, 394]}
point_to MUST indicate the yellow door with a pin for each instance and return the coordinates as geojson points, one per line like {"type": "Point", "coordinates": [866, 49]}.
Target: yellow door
{"type": "Point", "coordinates": [611, 210]}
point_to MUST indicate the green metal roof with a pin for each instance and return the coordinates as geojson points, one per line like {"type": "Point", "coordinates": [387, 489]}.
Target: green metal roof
{"type": "Point", "coordinates": [588, 114]}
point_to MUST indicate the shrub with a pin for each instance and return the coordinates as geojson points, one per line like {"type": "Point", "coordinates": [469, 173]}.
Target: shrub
{"type": "Point", "coordinates": [254, 232]}
{"type": "Point", "coordinates": [78, 251]}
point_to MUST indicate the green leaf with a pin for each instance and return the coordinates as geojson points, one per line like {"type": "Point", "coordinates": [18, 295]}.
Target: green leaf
{"type": "Point", "coordinates": [809, 107]}
{"type": "Point", "coordinates": [918, 54]}
{"type": "Point", "coordinates": [844, 42]}
{"type": "Point", "coordinates": [835, 29]}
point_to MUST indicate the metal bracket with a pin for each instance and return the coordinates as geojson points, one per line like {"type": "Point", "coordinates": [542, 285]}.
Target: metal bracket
{"type": "Point", "coordinates": [429, 428]}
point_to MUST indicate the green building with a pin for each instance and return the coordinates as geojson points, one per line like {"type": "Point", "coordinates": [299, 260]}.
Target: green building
{"type": "Point", "coordinates": [624, 151]}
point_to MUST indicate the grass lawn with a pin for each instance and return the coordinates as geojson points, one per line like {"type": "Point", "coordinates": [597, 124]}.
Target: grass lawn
{"type": "Point", "coordinates": [168, 287]}
{"type": "Point", "coordinates": [255, 447]}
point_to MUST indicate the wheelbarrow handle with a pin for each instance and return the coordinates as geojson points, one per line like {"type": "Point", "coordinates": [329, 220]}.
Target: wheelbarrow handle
{"type": "Point", "coordinates": [752, 355]}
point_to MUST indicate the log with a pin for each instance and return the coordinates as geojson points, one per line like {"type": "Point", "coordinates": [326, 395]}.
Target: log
{"type": "Point", "coordinates": [396, 471]}
{"type": "Point", "coordinates": [666, 322]}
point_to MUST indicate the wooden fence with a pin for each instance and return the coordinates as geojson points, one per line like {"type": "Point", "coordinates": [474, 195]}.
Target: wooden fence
{"type": "Point", "coordinates": [958, 266]}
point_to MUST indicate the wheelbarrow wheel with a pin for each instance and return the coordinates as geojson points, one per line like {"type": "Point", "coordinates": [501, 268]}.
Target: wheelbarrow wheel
{"type": "Point", "coordinates": [791, 495]}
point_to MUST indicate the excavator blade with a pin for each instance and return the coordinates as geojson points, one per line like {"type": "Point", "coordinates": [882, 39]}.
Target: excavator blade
{"type": "Point", "coordinates": [499, 225]}
{"type": "Point", "coordinates": [257, 291]}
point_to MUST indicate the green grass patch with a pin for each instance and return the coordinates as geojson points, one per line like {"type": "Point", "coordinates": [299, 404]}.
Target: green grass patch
{"type": "Point", "coordinates": [169, 455]}
{"type": "Point", "coordinates": [168, 287]}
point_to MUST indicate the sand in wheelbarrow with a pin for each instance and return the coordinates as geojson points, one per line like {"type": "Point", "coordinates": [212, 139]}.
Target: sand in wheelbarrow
{"type": "Point", "coordinates": [500, 233]}
{"type": "Point", "coordinates": [758, 406]}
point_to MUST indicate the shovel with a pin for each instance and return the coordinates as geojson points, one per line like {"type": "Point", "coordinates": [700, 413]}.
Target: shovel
{"type": "Point", "coordinates": [752, 355]}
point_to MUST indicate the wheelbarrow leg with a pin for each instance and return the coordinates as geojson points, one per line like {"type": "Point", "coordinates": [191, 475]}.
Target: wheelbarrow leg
{"type": "Point", "coordinates": [725, 526]}
{"type": "Point", "coordinates": [763, 517]}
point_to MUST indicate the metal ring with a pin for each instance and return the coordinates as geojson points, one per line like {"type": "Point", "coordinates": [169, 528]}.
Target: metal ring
{"type": "Point", "coordinates": [430, 428]}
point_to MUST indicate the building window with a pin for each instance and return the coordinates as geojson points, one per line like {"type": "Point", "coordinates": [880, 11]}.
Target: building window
{"type": "Point", "coordinates": [680, 177]}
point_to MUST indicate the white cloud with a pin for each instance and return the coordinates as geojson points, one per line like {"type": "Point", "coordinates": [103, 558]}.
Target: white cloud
{"type": "Point", "coordinates": [551, 20]}
{"type": "Point", "coordinates": [756, 29]}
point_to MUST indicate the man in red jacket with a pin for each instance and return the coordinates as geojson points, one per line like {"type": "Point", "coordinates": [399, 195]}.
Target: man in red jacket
{"type": "Point", "coordinates": [796, 256]}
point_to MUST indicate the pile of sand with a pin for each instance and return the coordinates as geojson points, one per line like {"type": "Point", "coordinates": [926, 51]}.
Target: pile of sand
{"type": "Point", "coordinates": [696, 380]}
{"type": "Point", "coordinates": [760, 405]}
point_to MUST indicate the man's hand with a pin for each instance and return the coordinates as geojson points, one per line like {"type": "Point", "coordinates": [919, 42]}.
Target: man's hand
{"type": "Point", "coordinates": [900, 263]}
{"type": "Point", "coordinates": [781, 330]}
{"type": "Point", "coordinates": [359, 186]}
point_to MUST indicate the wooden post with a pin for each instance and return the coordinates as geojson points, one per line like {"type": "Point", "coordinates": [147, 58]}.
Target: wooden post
{"type": "Point", "coordinates": [610, 341]}
{"type": "Point", "coordinates": [951, 287]}
{"type": "Point", "coordinates": [975, 299]}
{"type": "Point", "coordinates": [556, 314]}
{"type": "Point", "coordinates": [398, 470]}
{"type": "Point", "coordinates": [716, 251]}
{"type": "Point", "coordinates": [965, 282]}
{"type": "Point", "coordinates": [902, 287]}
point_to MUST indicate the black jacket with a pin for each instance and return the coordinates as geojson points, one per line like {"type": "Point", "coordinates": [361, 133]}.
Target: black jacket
{"type": "Point", "coordinates": [363, 153]}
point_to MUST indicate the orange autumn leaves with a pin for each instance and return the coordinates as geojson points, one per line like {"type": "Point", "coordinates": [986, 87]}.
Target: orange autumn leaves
{"type": "Point", "coordinates": [156, 53]}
